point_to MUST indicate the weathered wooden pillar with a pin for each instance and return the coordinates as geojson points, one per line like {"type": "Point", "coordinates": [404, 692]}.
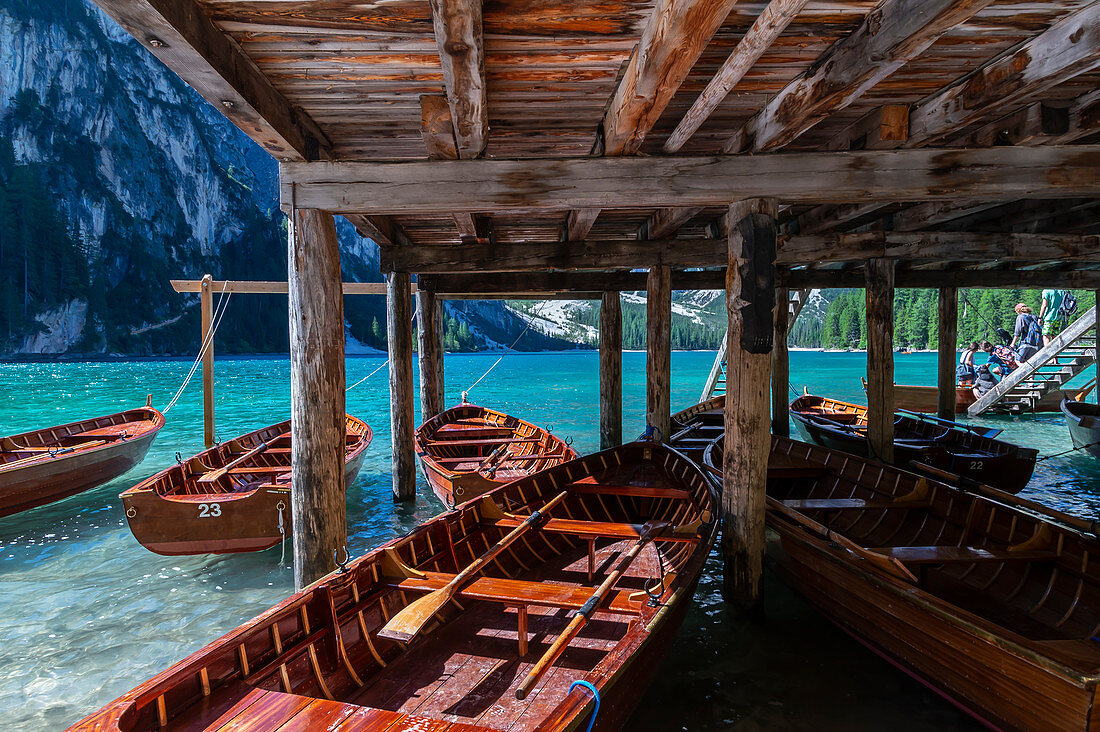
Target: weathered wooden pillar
{"type": "Point", "coordinates": [750, 299]}
{"type": "Point", "coordinates": [948, 340]}
{"type": "Point", "coordinates": [430, 354]}
{"type": "Point", "coordinates": [658, 365]}
{"type": "Point", "coordinates": [781, 364]}
{"type": "Point", "coordinates": [317, 422]}
{"type": "Point", "coordinates": [611, 371]}
{"type": "Point", "coordinates": [880, 358]}
{"type": "Point", "coordinates": [402, 426]}
{"type": "Point", "coordinates": [206, 305]}
{"type": "Point", "coordinates": [1096, 355]}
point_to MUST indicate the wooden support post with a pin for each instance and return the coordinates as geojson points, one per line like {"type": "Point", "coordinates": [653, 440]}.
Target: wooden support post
{"type": "Point", "coordinates": [781, 364]}
{"type": "Point", "coordinates": [611, 371]}
{"type": "Point", "coordinates": [659, 349]}
{"type": "Point", "coordinates": [1096, 355]}
{"type": "Point", "coordinates": [317, 417]}
{"type": "Point", "coordinates": [879, 281]}
{"type": "Point", "coordinates": [399, 339]}
{"type": "Point", "coordinates": [429, 354]}
{"type": "Point", "coordinates": [206, 306]}
{"type": "Point", "coordinates": [750, 297]}
{"type": "Point", "coordinates": [948, 339]}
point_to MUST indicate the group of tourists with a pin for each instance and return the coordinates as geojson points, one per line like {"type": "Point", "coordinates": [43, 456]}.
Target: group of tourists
{"type": "Point", "coordinates": [1029, 335]}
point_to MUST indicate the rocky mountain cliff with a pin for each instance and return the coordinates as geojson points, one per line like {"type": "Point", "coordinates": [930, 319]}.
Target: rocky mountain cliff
{"type": "Point", "coordinates": [117, 177]}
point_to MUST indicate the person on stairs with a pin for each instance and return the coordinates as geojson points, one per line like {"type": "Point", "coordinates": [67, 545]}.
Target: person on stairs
{"type": "Point", "coordinates": [1000, 359]}
{"type": "Point", "coordinates": [964, 372]}
{"type": "Point", "coordinates": [1051, 314]}
{"type": "Point", "coordinates": [1027, 336]}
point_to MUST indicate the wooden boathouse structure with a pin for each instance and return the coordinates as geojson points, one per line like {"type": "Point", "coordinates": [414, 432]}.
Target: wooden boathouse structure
{"type": "Point", "coordinates": [560, 148]}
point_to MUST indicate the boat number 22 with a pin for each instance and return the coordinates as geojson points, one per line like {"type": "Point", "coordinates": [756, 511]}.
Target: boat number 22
{"type": "Point", "coordinates": [974, 465]}
{"type": "Point", "coordinates": [209, 510]}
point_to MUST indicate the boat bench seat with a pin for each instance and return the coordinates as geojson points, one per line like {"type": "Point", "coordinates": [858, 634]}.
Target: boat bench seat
{"type": "Point", "coordinates": [965, 554]}
{"type": "Point", "coordinates": [471, 432]}
{"type": "Point", "coordinates": [797, 471]}
{"type": "Point", "coordinates": [634, 491]}
{"type": "Point", "coordinates": [519, 592]}
{"type": "Point", "coordinates": [841, 504]}
{"type": "Point", "coordinates": [590, 529]}
{"type": "Point", "coordinates": [483, 443]}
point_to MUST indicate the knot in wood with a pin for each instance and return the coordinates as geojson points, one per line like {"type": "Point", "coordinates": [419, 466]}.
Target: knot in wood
{"type": "Point", "coordinates": [456, 48]}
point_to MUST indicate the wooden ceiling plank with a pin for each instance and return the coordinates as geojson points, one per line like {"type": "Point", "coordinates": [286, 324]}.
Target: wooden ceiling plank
{"type": "Point", "coordinates": [671, 43]}
{"type": "Point", "coordinates": [768, 26]}
{"type": "Point", "coordinates": [1069, 47]}
{"type": "Point", "coordinates": [427, 187]}
{"type": "Point", "coordinates": [179, 33]}
{"type": "Point", "coordinates": [458, 33]}
{"type": "Point", "coordinates": [892, 34]}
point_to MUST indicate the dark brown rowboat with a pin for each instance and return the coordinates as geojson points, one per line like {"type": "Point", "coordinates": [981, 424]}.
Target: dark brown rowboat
{"type": "Point", "coordinates": [233, 497]}
{"type": "Point", "coordinates": [694, 428]}
{"type": "Point", "coordinates": [988, 599]}
{"type": "Point", "coordinates": [47, 465]}
{"type": "Point", "coordinates": [970, 452]}
{"type": "Point", "coordinates": [469, 450]}
{"type": "Point", "coordinates": [317, 659]}
{"type": "Point", "coordinates": [926, 398]}
{"type": "Point", "coordinates": [1083, 422]}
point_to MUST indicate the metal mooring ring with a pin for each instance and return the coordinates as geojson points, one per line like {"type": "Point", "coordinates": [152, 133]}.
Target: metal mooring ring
{"type": "Point", "coordinates": [280, 506]}
{"type": "Point", "coordinates": [131, 512]}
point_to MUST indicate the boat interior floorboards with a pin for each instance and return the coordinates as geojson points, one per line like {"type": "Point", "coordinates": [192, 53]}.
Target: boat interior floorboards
{"type": "Point", "coordinates": [468, 670]}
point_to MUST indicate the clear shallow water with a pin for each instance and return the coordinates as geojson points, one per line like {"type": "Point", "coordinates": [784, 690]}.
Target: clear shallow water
{"type": "Point", "coordinates": [86, 613]}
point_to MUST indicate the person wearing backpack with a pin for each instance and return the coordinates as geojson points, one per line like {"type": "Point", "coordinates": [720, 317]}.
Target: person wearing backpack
{"type": "Point", "coordinates": [1028, 333]}
{"type": "Point", "coordinates": [1058, 307]}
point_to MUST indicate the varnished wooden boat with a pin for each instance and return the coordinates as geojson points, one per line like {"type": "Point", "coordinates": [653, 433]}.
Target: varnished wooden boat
{"type": "Point", "coordinates": [1083, 422]}
{"type": "Point", "coordinates": [926, 398]}
{"type": "Point", "coordinates": [233, 497]}
{"type": "Point", "coordinates": [991, 600]}
{"type": "Point", "coordinates": [317, 660]}
{"type": "Point", "coordinates": [694, 428]}
{"type": "Point", "coordinates": [970, 452]}
{"type": "Point", "coordinates": [47, 465]}
{"type": "Point", "coordinates": [469, 450]}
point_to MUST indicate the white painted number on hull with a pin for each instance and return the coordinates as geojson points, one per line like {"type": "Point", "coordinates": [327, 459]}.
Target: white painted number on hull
{"type": "Point", "coordinates": [209, 510]}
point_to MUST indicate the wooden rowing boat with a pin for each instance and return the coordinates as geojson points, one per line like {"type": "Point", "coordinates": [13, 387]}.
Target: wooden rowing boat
{"type": "Point", "coordinates": [991, 600]}
{"type": "Point", "coordinates": [1083, 422]}
{"type": "Point", "coordinates": [469, 450]}
{"type": "Point", "coordinates": [926, 398]}
{"type": "Point", "coordinates": [49, 464]}
{"type": "Point", "coordinates": [318, 659]}
{"type": "Point", "coordinates": [694, 428]}
{"type": "Point", "coordinates": [233, 497]}
{"type": "Point", "coordinates": [970, 452]}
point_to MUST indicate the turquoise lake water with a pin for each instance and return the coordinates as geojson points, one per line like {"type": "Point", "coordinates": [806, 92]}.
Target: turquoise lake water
{"type": "Point", "coordinates": [86, 613]}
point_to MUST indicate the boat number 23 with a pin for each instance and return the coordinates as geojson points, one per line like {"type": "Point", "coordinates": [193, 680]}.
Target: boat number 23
{"type": "Point", "coordinates": [209, 510]}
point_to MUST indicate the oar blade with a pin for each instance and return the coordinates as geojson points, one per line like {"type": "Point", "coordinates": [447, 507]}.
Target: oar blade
{"type": "Point", "coordinates": [405, 625]}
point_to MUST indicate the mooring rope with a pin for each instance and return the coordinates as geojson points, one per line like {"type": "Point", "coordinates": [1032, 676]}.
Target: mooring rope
{"type": "Point", "coordinates": [1066, 452]}
{"type": "Point", "coordinates": [471, 386]}
{"type": "Point", "coordinates": [372, 373]}
{"type": "Point", "coordinates": [219, 313]}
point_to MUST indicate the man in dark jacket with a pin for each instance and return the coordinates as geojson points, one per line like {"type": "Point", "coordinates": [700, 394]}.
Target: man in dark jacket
{"type": "Point", "coordinates": [1027, 336]}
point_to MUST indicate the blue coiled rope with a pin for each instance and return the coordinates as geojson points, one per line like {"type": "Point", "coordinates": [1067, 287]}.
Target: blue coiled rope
{"type": "Point", "coordinates": [595, 694]}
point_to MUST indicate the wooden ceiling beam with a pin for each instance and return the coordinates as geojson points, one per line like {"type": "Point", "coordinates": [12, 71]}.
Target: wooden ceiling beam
{"type": "Point", "coordinates": [458, 34]}
{"type": "Point", "coordinates": [1085, 279]}
{"type": "Point", "coordinates": [534, 284]}
{"type": "Point", "coordinates": [579, 222]}
{"type": "Point", "coordinates": [382, 230]}
{"type": "Point", "coordinates": [671, 43]}
{"type": "Point", "coordinates": [768, 26]}
{"type": "Point", "coordinates": [438, 132]}
{"type": "Point", "coordinates": [182, 36]}
{"type": "Point", "coordinates": [891, 35]}
{"type": "Point", "coordinates": [934, 213]}
{"type": "Point", "coordinates": [1069, 47]}
{"type": "Point", "coordinates": [441, 187]}
{"type": "Point", "coordinates": [665, 222]}
{"type": "Point", "coordinates": [628, 254]}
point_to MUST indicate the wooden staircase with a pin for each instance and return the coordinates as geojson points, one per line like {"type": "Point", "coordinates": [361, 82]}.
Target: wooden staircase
{"type": "Point", "coordinates": [1043, 377]}
{"type": "Point", "coordinates": [716, 381]}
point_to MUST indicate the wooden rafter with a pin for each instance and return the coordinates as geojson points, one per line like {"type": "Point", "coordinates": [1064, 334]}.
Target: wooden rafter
{"type": "Point", "coordinates": [666, 222]}
{"type": "Point", "coordinates": [441, 187]}
{"type": "Point", "coordinates": [458, 34]}
{"type": "Point", "coordinates": [437, 129]}
{"type": "Point", "coordinates": [179, 33]}
{"type": "Point", "coordinates": [625, 254]}
{"type": "Point", "coordinates": [671, 43]}
{"type": "Point", "coordinates": [768, 26]}
{"type": "Point", "coordinates": [1068, 48]}
{"type": "Point", "coordinates": [891, 35]}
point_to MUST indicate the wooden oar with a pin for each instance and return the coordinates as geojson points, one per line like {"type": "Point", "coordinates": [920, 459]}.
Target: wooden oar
{"type": "Point", "coordinates": [585, 612]}
{"type": "Point", "coordinates": [404, 626]}
{"type": "Point", "coordinates": [213, 475]}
